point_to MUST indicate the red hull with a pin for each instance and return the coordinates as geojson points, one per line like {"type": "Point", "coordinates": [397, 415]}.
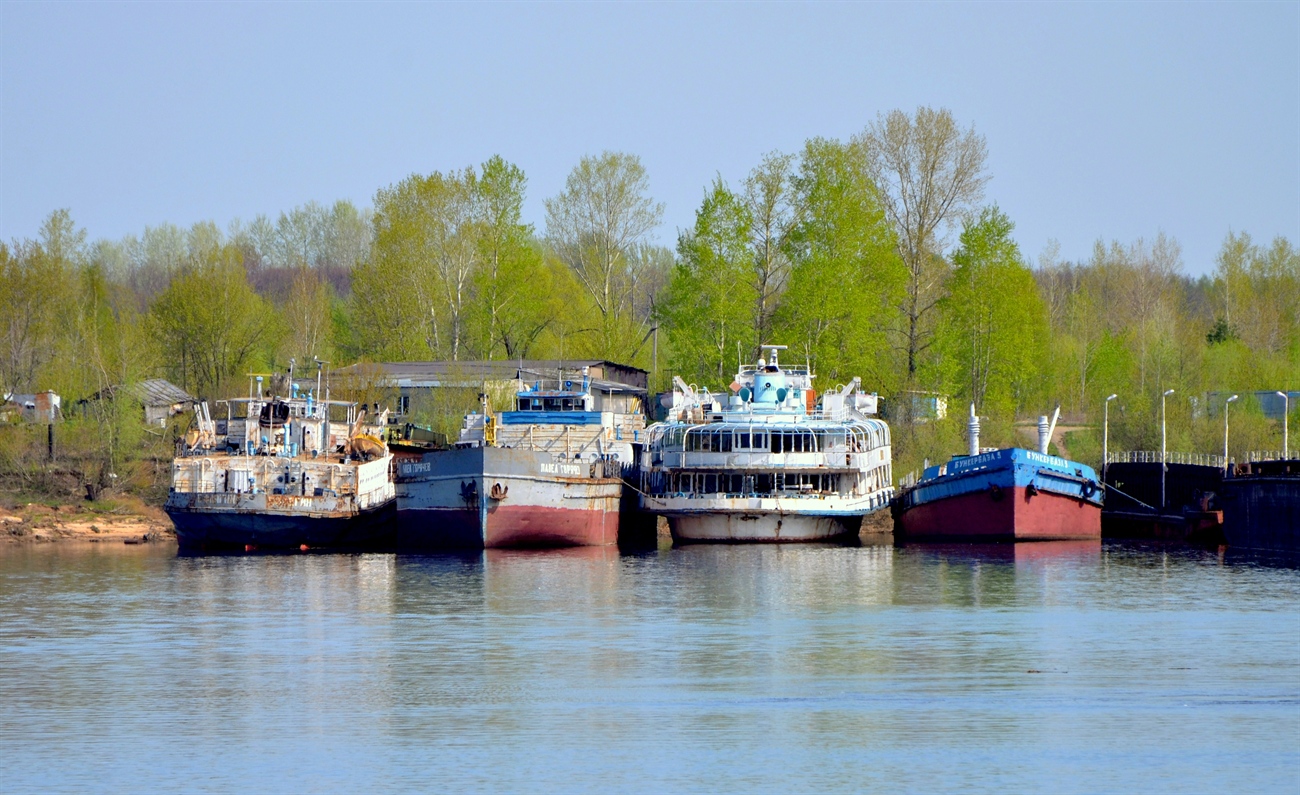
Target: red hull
{"type": "Point", "coordinates": [533, 526]}
{"type": "Point", "coordinates": [507, 526]}
{"type": "Point", "coordinates": [1017, 516]}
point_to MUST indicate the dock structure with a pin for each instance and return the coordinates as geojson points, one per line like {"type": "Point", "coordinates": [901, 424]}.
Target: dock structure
{"type": "Point", "coordinates": [1190, 510]}
{"type": "Point", "coordinates": [1261, 505]}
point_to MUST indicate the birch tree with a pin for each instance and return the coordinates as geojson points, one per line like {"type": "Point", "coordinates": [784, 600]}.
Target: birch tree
{"type": "Point", "coordinates": [929, 173]}
{"type": "Point", "coordinates": [772, 205]}
{"type": "Point", "coordinates": [604, 211]}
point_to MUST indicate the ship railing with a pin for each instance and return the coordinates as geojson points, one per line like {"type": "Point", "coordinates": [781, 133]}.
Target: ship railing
{"type": "Point", "coordinates": [1170, 457]}
{"type": "Point", "coordinates": [836, 459]}
{"type": "Point", "coordinates": [909, 480]}
{"type": "Point", "coordinates": [1271, 455]}
{"type": "Point", "coordinates": [838, 415]}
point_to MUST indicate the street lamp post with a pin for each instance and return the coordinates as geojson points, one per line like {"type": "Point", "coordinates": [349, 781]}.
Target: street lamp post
{"type": "Point", "coordinates": [1163, 439]}
{"type": "Point", "coordinates": [1105, 436]}
{"type": "Point", "coordinates": [1225, 433]}
{"type": "Point", "coordinates": [1286, 410]}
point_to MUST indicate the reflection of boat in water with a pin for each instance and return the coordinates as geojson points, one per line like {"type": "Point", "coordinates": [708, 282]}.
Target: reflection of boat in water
{"type": "Point", "coordinates": [1261, 506]}
{"type": "Point", "coordinates": [1019, 552]}
{"type": "Point", "coordinates": [767, 463]}
{"type": "Point", "coordinates": [282, 476]}
{"type": "Point", "coordinates": [1002, 495]}
{"type": "Point", "coordinates": [548, 473]}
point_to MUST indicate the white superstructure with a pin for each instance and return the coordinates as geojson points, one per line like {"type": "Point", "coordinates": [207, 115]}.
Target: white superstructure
{"type": "Point", "coordinates": [768, 461]}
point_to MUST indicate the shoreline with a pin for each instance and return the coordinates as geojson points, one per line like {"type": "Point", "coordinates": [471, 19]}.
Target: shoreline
{"type": "Point", "coordinates": [38, 523]}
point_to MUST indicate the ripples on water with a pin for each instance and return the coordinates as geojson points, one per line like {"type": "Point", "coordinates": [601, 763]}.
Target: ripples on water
{"type": "Point", "coordinates": [1034, 668]}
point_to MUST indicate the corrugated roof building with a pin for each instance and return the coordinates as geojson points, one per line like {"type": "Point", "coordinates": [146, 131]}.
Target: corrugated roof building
{"type": "Point", "coordinates": [160, 398]}
{"type": "Point", "coordinates": [617, 387]}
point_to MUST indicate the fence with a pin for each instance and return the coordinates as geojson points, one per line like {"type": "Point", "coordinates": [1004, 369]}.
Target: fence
{"type": "Point", "coordinates": [1271, 455]}
{"type": "Point", "coordinates": [1170, 457]}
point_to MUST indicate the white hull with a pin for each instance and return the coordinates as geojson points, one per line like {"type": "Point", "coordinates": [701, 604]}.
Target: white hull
{"type": "Point", "coordinates": [751, 527]}
{"type": "Point", "coordinates": [760, 519]}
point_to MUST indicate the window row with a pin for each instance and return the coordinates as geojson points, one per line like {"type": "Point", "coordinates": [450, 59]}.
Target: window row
{"type": "Point", "coordinates": [746, 485]}
{"type": "Point", "coordinates": [550, 404]}
{"type": "Point", "coordinates": [855, 438]}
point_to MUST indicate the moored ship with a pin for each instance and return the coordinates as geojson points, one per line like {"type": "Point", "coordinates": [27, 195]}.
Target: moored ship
{"type": "Point", "coordinates": [279, 474]}
{"type": "Point", "coordinates": [1261, 506]}
{"type": "Point", "coordinates": [547, 474]}
{"type": "Point", "coordinates": [767, 463]}
{"type": "Point", "coordinates": [1008, 494]}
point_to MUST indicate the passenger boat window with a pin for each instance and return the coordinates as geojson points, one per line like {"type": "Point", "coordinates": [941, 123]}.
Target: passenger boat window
{"type": "Point", "coordinates": [726, 442]}
{"type": "Point", "coordinates": [760, 441]}
{"type": "Point", "coordinates": [743, 441]}
{"type": "Point", "coordinates": [552, 404]}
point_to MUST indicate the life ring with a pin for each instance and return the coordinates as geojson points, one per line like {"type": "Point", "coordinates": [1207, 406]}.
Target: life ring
{"type": "Point", "coordinates": [1089, 489]}
{"type": "Point", "coordinates": [995, 491]}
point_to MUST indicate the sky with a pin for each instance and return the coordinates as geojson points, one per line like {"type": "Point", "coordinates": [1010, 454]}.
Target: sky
{"type": "Point", "coordinates": [1103, 120]}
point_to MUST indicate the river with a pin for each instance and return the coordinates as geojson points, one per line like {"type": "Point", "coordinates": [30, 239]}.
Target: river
{"type": "Point", "coordinates": [705, 669]}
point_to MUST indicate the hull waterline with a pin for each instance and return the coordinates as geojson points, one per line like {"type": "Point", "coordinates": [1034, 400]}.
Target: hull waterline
{"type": "Point", "coordinates": [216, 530]}
{"type": "Point", "coordinates": [1014, 514]}
{"type": "Point", "coordinates": [761, 527]}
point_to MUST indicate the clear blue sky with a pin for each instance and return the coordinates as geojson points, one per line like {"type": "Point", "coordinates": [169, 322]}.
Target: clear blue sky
{"type": "Point", "coordinates": [1103, 119]}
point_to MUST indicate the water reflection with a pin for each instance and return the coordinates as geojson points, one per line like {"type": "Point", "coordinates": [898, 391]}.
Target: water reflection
{"type": "Point", "coordinates": [1034, 667]}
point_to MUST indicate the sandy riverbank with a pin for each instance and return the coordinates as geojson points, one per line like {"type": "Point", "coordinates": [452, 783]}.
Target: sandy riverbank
{"type": "Point", "coordinates": [125, 520]}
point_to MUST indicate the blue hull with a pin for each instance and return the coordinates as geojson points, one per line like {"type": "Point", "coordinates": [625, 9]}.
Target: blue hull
{"type": "Point", "coordinates": [1004, 495]}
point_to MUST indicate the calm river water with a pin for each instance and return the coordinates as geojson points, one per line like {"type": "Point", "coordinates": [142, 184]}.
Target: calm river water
{"type": "Point", "coordinates": [1038, 668]}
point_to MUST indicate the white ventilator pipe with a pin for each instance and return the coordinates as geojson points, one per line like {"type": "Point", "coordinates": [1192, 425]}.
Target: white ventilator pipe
{"type": "Point", "coordinates": [1044, 434]}
{"type": "Point", "coordinates": [973, 432]}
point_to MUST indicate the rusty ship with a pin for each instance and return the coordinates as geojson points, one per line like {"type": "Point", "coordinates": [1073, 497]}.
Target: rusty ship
{"type": "Point", "coordinates": [283, 473]}
{"type": "Point", "coordinates": [548, 473]}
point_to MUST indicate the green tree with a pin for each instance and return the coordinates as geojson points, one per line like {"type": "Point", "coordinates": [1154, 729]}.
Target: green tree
{"type": "Point", "coordinates": [309, 318]}
{"type": "Point", "coordinates": [37, 282]}
{"type": "Point", "coordinates": [210, 325]}
{"type": "Point", "coordinates": [412, 293]}
{"type": "Point", "coordinates": [995, 318]}
{"type": "Point", "coordinates": [929, 173]}
{"type": "Point", "coordinates": [514, 296]}
{"type": "Point", "coordinates": [846, 276]}
{"type": "Point", "coordinates": [594, 226]}
{"type": "Point", "coordinates": [772, 203]}
{"type": "Point", "coordinates": [709, 304]}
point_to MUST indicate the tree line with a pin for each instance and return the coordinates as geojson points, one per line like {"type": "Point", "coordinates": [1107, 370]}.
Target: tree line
{"type": "Point", "coordinates": [876, 256]}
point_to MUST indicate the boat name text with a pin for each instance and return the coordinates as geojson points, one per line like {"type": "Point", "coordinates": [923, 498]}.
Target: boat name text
{"type": "Point", "coordinates": [561, 469]}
